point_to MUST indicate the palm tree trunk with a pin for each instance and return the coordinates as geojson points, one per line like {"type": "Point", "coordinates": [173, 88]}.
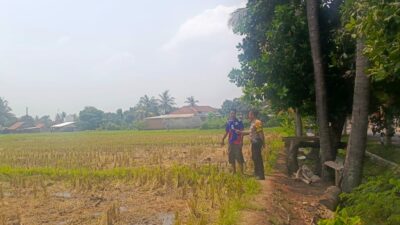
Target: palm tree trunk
{"type": "Point", "coordinates": [336, 132]}
{"type": "Point", "coordinates": [359, 124]}
{"type": "Point", "coordinates": [299, 124]}
{"type": "Point", "coordinates": [320, 90]}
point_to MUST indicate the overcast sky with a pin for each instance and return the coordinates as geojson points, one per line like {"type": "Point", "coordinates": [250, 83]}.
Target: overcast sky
{"type": "Point", "coordinates": [66, 54]}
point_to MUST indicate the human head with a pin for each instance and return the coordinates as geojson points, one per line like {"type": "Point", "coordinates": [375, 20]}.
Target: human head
{"type": "Point", "coordinates": [253, 114]}
{"type": "Point", "coordinates": [232, 114]}
{"type": "Point", "coordinates": [239, 115]}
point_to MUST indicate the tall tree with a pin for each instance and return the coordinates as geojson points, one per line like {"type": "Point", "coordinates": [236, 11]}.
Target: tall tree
{"type": "Point", "coordinates": [6, 117]}
{"type": "Point", "coordinates": [191, 101]}
{"type": "Point", "coordinates": [46, 120]}
{"type": "Point", "coordinates": [147, 106]}
{"type": "Point", "coordinates": [113, 121]}
{"type": "Point", "coordinates": [276, 62]}
{"type": "Point", "coordinates": [28, 120]}
{"type": "Point", "coordinates": [359, 124]}
{"type": "Point", "coordinates": [58, 118]}
{"type": "Point", "coordinates": [90, 118]}
{"type": "Point", "coordinates": [237, 104]}
{"type": "Point", "coordinates": [326, 146]}
{"type": "Point", "coordinates": [120, 113]}
{"type": "Point", "coordinates": [283, 73]}
{"type": "Point", "coordinates": [130, 115]}
{"type": "Point", "coordinates": [376, 26]}
{"type": "Point", "coordinates": [167, 102]}
{"type": "Point", "coordinates": [63, 116]}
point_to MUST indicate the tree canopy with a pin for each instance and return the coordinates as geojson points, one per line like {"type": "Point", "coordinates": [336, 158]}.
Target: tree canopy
{"type": "Point", "coordinates": [90, 118]}
{"type": "Point", "coordinates": [276, 62]}
{"type": "Point", "coordinates": [6, 117]}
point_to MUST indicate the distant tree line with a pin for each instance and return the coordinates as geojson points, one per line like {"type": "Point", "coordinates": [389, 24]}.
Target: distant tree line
{"type": "Point", "coordinates": [91, 118]}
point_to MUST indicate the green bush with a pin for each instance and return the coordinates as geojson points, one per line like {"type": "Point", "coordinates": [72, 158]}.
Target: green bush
{"type": "Point", "coordinates": [213, 122]}
{"type": "Point", "coordinates": [342, 218]}
{"type": "Point", "coordinates": [273, 122]}
{"type": "Point", "coordinates": [139, 125]}
{"type": "Point", "coordinates": [375, 202]}
{"type": "Point", "coordinates": [113, 126]}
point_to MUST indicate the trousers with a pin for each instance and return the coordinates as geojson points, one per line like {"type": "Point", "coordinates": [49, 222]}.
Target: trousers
{"type": "Point", "coordinates": [256, 149]}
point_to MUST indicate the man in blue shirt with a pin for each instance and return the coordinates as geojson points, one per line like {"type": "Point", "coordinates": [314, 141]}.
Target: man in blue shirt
{"type": "Point", "coordinates": [235, 141]}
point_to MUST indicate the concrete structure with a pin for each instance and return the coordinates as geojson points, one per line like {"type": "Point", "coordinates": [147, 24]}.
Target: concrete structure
{"type": "Point", "coordinates": [173, 121]}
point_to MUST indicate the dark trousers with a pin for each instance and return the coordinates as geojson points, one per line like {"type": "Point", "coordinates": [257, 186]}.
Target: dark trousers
{"type": "Point", "coordinates": [257, 159]}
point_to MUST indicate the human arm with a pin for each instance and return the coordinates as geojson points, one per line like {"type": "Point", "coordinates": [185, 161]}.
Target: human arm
{"type": "Point", "coordinates": [243, 132]}
{"type": "Point", "coordinates": [223, 138]}
{"type": "Point", "coordinates": [261, 134]}
{"type": "Point", "coordinates": [227, 128]}
{"type": "Point", "coordinates": [260, 131]}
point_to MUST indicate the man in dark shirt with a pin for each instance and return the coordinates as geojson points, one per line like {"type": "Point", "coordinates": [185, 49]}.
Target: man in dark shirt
{"type": "Point", "coordinates": [235, 141]}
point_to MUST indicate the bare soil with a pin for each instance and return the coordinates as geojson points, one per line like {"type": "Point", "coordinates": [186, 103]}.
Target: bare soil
{"type": "Point", "coordinates": [284, 200]}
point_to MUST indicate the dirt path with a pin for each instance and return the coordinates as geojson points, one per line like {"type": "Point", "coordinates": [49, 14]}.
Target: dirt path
{"type": "Point", "coordinates": [286, 201]}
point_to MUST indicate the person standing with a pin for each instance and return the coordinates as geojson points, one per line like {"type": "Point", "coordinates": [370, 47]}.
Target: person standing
{"type": "Point", "coordinates": [232, 131]}
{"type": "Point", "coordinates": [257, 139]}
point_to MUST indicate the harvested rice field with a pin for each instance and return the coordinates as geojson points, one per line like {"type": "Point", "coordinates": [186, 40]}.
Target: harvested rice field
{"type": "Point", "coordinates": [124, 177]}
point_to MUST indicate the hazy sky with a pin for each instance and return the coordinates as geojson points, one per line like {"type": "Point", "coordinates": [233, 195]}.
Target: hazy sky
{"type": "Point", "coordinates": [66, 54]}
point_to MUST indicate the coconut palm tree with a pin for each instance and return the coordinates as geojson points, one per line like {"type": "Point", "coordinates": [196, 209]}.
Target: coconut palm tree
{"type": "Point", "coordinates": [166, 101]}
{"type": "Point", "coordinates": [352, 173]}
{"type": "Point", "coordinates": [191, 101]}
{"type": "Point", "coordinates": [148, 106]}
{"type": "Point", "coordinates": [320, 87]}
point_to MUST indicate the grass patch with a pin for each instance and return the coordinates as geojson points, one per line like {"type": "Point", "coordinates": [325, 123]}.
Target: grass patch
{"type": "Point", "coordinates": [377, 199]}
{"type": "Point", "coordinates": [391, 153]}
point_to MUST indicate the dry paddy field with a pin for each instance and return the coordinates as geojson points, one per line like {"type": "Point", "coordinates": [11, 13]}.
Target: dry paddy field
{"type": "Point", "coordinates": [125, 177]}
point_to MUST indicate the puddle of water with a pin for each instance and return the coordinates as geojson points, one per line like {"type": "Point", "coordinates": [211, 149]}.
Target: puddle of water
{"type": "Point", "coordinates": [167, 218]}
{"type": "Point", "coordinates": [63, 194]}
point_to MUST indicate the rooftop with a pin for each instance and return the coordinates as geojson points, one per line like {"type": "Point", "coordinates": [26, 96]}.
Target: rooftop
{"type": "Point", "coordinates": [195, 110]}
{"type": "Point", "coordinates": [171, 116]}
{"type": "Point", "coordinates": [16, 125]}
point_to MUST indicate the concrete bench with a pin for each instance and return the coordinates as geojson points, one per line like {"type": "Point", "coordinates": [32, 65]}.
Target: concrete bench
{"type": "Point", "coordinates": [338, 171]}
{"type": "Point", "coordinates": [292, 145]}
